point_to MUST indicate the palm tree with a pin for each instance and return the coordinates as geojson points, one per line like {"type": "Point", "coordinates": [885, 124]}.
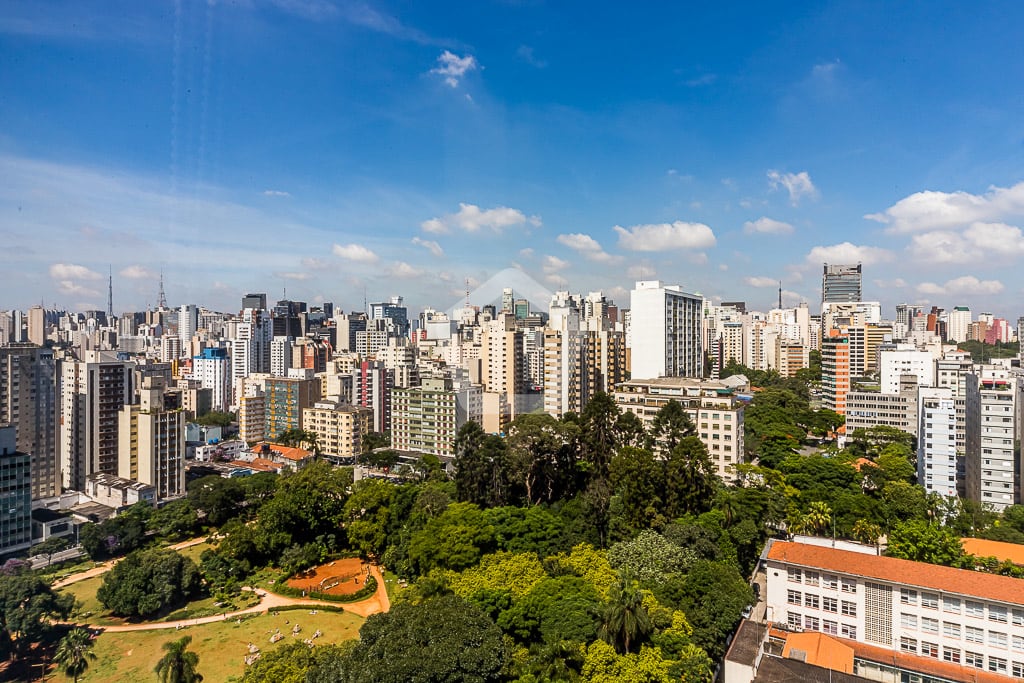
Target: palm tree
{"type": "Point", "coordinates": [74, 652]}
{"type": "Point", "coordinates": [818, 516]}
{"type": "Point", "coordinates": [625, 620]}
{"type": "Point", "coordinates": [178, 665]}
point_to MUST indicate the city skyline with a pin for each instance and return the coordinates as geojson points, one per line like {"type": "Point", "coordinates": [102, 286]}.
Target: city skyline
{"type": "Point", "coordinates": [343, 150]}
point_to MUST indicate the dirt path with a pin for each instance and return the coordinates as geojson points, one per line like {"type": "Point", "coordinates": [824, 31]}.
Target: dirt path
{"type": "Point", "coordinates": [106, 566]}
{"type": "Point", "coordinates": [378, 602]}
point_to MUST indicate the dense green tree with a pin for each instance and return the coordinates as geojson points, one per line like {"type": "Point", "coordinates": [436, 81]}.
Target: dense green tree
{"type": "Point", "coordinates": [175, 521]}
{"type": "Point", "coordinates": [74, 652]}
{"type": "Point", "coordinates": [630, 430]}
{"type": "Point", "coordinates": [639, 481]}
{"type": "Point", "coordinates": [219, 498]}
{"type": "Point", "coordinates": [118, 535]}
{"type": "Point", "coordinates": [215, 418]}
{"type": "Point", "coordinates": [293, 662]}
{"type": "Point", "coordinates": [542, 457]}
{"type": "Point", "coordinates": [375, 440]}
{"type": "Point", "coordinates": [443, 640]}
{"type": "Point", "coordinates": [599, 440]}
{"type": "Point", "coordinates": [147, 582]}
{"type": "Point", "coordinates": [178, 665]}
{"type": "Point", "coordinates": [28, 607]}
{"type": "Point", "coordinates": [531, 529]}
{"type": "Point", "coordinates": [650, 557]}
{"type": "Point", "coordinates": [51, 546]}
{"type": "Point", "coordinates": [603, 665]}
{"type": "Point", "coordinates": [923, 542]}
{"type": "Point", "coordinates": [367, 513]}
{"type": "Point", "coordinates": [483, 470]}
{"type": "Point", "coordinates": [454, 540]}
{"type": "Point", "coordinates": [689, 478]}
{"type": "Point", "coordinates": [671, 425]}
{"type": "Point", "coordinates": [306, 505]}
{"type": "Point", "coordinates": [714, 596]}
{"type": "Point", "coordinates": [556, 609]}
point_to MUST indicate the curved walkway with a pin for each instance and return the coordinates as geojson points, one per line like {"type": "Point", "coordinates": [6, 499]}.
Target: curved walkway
{"type": "Point", "coordinates": [378, 602]}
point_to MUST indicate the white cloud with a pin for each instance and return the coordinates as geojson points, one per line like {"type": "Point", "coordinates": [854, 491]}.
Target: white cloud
{"type": "Point", "coordinates": [526, 253]}
{"type": "Point", "coordinates": [528, 55]}
{"type": "Point", "coordinates": [276, 193]}
{"type": "Point", "coordinates": [402, 270]}
{"type": "Point", "coordinates": [430, 245]}
{"type": "Point", "coordinates": [553, 264]}
{"type": "Point", "coordinates": [981, 242]}
{"type": "Point", "coordinates": [472, 219]}
{"type": "Point", "coordinates": [355, 252]}
{"type": "Point", "coordinates": [641, 272]}
{"type": "Point", "coordinates": [299, 276]}
{"type": "Point", "coordinates": [72, 271]}
{"type": "Point", "coordinates": [798, 185]}
{"type": "Point", "coordinates": [897, 283]}
{"type": "Point", "coordinates": [965, 285]}
{"type": "Point", "coordinates": [587, 246]}
{"type": "Point", "coordinates": [666, 236]}
{"type": "Point", "coordinates": [767, 226]}
{"type": "Point", "coordinates": [723, 267]}
{"type": "Point", "coordinates": [848, 253]}
{"type": "Point", "coordinates": [760, 281]}
{"type": "Point", "coordinates": [556, 280]}
{"type": "Point", "coordinates": [137, 272]}
{"type": "Point", "coordinates": [313, 263]}
{"type": "Point", "coordinates": [452, 67]}
{"type": "Point", "coordinates": [931, 210]}
{"type": "Point", "coordinates": [73, 289]}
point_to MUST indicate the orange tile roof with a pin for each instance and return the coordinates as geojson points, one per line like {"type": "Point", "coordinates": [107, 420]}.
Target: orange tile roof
{"type": "Point", "coordinates": [920, 574]}
{"type": "Point", "coordinates": [981, 547]}
{"type": "Point", "coordinates": [821, 650]}
{"type": "Point", "coordinates": [261, 464]}
{"type": "Point", "coordinates": [289, 453]}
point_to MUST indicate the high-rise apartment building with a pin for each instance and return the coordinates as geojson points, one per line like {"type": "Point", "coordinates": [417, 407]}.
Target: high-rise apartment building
{"type": "Point", "coordinates": [188, 323]}
{"type": "Point", "coordinates": [255, 301]}
{"type": "Point", "coordinates": [905, 361]}
{"type": "Point", "coordinates": [427, 418]}
{"type": "Point", "coordinates": [151, 443]}
{"type": "Point", "coordinates": [665, 332]}
{"type": "Point", "coordinates": [835, 372]}
{"type": "Point", "coordinates": [213, 369]}
{"type": "Point", "coordinates": [37, 325]}
{"type": "Point", "coordinates": [28, 401]}
{"type": "Point", "coordinates": [371, 388]}
{"type": "Point", "coordinates": [339, 428]}
{"type": "Point", "coordinates": [92, 393]}
{"type": "Point", "coordinates": [252, 416]}
{"type": "Point", "coordinates": [993, 465]}
{"type": "Point", "coordinates": [286, 398]}
{"type": "Point", "coordinates": [502, 360]}
{"type": "Point", "coordinates": [958, 323]}
{"type": "Point", "coordinates": [15, 494]}
{"type": "Point", "coordinates": [841, 283]}
{"type": "Point", "coordinates": [936, 441]}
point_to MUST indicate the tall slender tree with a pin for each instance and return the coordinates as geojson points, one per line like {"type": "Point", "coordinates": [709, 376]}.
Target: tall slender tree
{"type": "Point", "coordinates": [179, 664]}
{"type": "Point", "coordinates": [625, 622]}
{"type": "Point", "coordinates": [74, 651]}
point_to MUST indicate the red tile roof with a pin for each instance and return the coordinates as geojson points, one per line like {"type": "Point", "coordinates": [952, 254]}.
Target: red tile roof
{"type": "Point", "coordinates": [918, 574]}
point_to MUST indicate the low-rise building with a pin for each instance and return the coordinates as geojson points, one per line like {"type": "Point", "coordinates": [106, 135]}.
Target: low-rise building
{"type": "Point", "coordinates": [339, 428]}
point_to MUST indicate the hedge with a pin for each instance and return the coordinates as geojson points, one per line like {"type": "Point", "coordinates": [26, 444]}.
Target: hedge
{"type": "Point", "coordinates": [282, 588]}
{"type": "Point", "coordinates": [318, 608]}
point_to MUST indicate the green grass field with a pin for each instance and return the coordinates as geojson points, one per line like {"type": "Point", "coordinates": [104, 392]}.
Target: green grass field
{"type": "Point", "coordinates": [221, 646]}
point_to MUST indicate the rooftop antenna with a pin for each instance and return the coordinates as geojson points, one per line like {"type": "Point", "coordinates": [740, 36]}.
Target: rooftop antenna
{"type": "Point", "coordinates": [161, 300]}
{"type": "Point", "coordinates": [110, 293]}
{"type": "Point", "coordinates": [366, 306]}
{"type": "Point", "coordinates": [780, 294]}
{"type": "Point", "coordinates": [467, 292]}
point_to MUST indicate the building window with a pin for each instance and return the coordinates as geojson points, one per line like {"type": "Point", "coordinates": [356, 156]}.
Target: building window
{"type": "Point", "coordinates": [793, 597]}
{"type": "Point", "coordinates": [810, 600]}
{"type": "Point", "coordinates": [975, 609]}
{"type": "Point", "coordinates": [848, 585]}
{"type": "Point", "coordinates": [849, 631]}
{"type": "Point", "coordinates": [1018, 643]}
{"type": "Point", "coordinates": [1017, 670]}
{"type": "Point", "coordinates": [950, 630]}
{"type": "Point", "coordinates": [951, 605]}
{"type": "Point", "coordinates": [997, 639]}
{"type": "Point", "coordinates": [997, 665]}
{"type": "Point", "coordinates": [930, 649]}
{"type": "Point", "coordinates": [908, 597]}
{"type": "Point", "coordinates": [811, 623]}
{"type": "Point", "coordinates": [849, 608]}
{"type": "Point", "coordinates": [908, 644]}
{"type": "Point", "coordinates": [951, 654]}
{"type": "Point", "coordinates": [908, 621]}
{"type": "Point", "coordinates": [929, 625]}
{"type": "Point", "coordinates": [974, 659]}
{"type": "Point", "coordinates": [997, 614]}
{"type": "Point", "coordinates": [811, 578]}
{"type": "Point", "coordinates": [929, 600]}
{"type": "Point", "coordinates": [974, 635]}
{"type": "Point", "coordinates": [832, 581]}
{"type": "Point", "coordinates": [830, 627]}
{"type": "Point", "coordinates": [830, 604]}
{"type": "Point", "coordinates": [1018, 617]}
{"type": "Point", "coordinates": [793, 620]}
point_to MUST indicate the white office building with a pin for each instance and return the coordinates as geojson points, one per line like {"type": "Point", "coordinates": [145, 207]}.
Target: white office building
{"type": "Point", "coordinates": [665, 332]}
{"type": "Point", "coordinates": [936, 441]}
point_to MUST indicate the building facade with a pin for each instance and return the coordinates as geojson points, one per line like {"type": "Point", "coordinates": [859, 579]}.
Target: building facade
{"type": "Point", "coordinates": [28, 401]}
{"type": "Point", "coordinates": [665, 334]}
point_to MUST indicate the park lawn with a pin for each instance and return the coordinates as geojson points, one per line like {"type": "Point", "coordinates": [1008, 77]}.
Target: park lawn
{"type": "Point", "coordinates": [85, 594]}
{"type": "Point", "coordinates": [194, 551]}
{"type": "Point", "coordinates": [221, 646]}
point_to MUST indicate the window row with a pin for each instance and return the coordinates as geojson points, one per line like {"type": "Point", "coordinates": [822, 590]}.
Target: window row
{"type": "Point", "coordinates": [829, 626]}
{"type": "Point", "coordinates": [830, 581]}
{"type": "Point", "coordinates": [826, 603]}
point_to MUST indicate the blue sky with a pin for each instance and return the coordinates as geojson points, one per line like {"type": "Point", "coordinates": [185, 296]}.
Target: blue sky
{"type": "Point", "coordinates": [333, 148]}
